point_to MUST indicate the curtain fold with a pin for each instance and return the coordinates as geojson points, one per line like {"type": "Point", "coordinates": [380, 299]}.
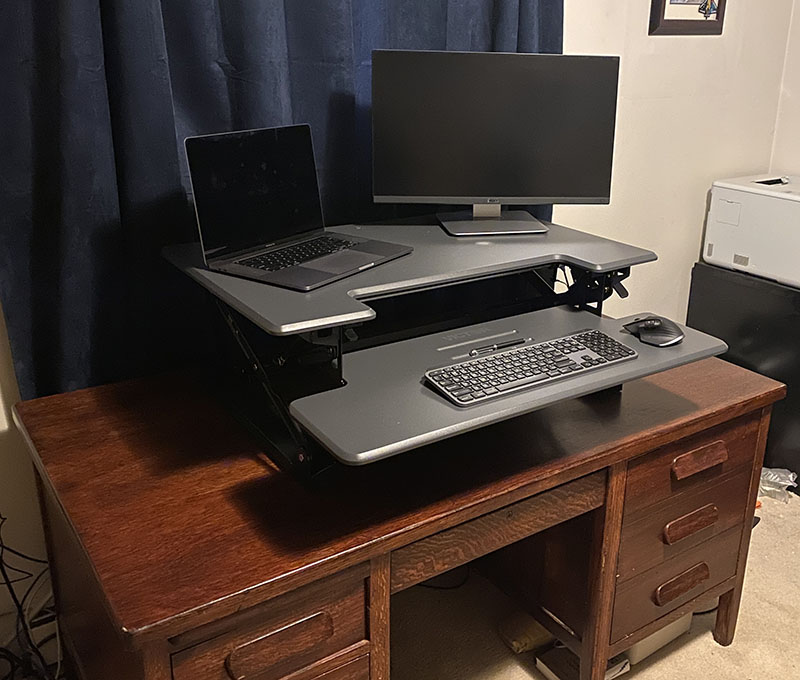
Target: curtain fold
{"type": "Point", "coordinates": [99, 97]}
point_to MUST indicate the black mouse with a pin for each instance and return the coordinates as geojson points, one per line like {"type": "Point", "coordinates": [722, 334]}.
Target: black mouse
{"type": "Point", "coordinates": [656, 330]}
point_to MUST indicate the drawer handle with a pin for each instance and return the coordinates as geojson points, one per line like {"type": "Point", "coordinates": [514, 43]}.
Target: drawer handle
{"type": "Point", "coordinates": [685, 526]}
{"type": "Point", "coordinates": [252, 658]}
{"type": "Point", "coordinates": [681, 584]}
{"type": "Point", "coordinates": [688, 464]}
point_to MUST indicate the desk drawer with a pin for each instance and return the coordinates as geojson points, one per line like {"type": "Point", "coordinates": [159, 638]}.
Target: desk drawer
{"type": "Point", "coordinates": [657, 592]}
{"type": "Point", "coordinates": [282, 636]}
{"type": "Point", "coordinates": [680, 523]}
{"type": "Point", "coordinates": [691, 462]}
{"type": "Point", "coordinates": [358, 669]}
{"type": "Point", "coordinates": [478, 537]}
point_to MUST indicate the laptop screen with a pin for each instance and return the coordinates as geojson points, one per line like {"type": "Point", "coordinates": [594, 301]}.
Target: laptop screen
{"type": "Point", "coordinates": [253, 187]}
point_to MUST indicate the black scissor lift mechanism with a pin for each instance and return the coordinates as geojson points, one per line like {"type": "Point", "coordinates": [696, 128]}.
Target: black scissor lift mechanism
{"type": "Point", "coordinates": [262, 374]}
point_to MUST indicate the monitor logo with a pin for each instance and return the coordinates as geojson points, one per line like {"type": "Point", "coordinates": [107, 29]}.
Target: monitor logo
{"type": "Point", "coordinates": [492, 200]}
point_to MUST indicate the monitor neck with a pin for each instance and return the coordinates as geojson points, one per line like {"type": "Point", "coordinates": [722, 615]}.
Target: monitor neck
{"type": "Point", "coordinates": [482, 211]}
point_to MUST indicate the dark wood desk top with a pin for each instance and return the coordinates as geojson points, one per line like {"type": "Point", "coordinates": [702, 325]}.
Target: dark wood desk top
{"type": "Point", "coordinates": [184, 520]}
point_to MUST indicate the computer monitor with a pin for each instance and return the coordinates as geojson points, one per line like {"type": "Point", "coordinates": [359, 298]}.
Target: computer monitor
{"type": "Point", "coordinates": [487, 129]}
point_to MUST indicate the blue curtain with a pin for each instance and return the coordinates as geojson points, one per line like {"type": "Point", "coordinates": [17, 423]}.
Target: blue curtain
{"type": "Point", "coordinates": [98, 98]}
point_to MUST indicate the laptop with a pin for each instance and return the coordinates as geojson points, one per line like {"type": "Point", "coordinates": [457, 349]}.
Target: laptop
{"type": "Point", "coordinates": [259, 213]}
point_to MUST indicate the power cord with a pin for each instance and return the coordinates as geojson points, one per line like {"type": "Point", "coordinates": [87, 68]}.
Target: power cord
{"type": "Point", "coordinates": [18, 553]}
{"type": "Point", "coordinates": [32, 660]}
{"type": "Point", "coordinates": [25, 574]}
{"type": "Point", "coordinates": [14, 663]}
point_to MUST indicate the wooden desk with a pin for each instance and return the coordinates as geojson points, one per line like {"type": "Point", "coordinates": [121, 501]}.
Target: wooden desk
{"type": "Point", "coordinates": [179, 552]}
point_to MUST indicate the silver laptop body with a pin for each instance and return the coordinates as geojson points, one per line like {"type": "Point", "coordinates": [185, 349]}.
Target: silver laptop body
{"type": "Point", "coordinates": [258, 210]}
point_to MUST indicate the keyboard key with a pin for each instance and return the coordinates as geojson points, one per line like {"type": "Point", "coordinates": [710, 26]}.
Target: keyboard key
{"type": "Point", "coordinates": [519, 383]}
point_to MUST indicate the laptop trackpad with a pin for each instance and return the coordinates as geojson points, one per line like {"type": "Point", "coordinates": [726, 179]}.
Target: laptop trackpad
{"type": "Point", "coordinates": [339, 262]}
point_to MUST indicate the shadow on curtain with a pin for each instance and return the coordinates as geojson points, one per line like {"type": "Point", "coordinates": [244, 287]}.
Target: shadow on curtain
{"type": "Point", "coordinates": [94, 181]}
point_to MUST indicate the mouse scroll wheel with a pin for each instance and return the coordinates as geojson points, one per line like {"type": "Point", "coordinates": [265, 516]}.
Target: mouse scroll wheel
{"type": "Point", "coordinates": [651, 323]}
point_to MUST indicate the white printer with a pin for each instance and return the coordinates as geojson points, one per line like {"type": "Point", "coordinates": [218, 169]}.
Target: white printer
{"type": "Point", "coordinates": [754, 226]}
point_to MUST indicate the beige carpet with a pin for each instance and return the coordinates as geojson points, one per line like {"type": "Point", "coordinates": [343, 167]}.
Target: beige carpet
{"type": "Point", "coordinates": [451, 634]}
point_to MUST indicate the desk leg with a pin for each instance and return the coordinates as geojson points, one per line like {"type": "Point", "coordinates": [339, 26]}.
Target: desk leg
{"type": "Point", "coordinates": [728, 610]}
{"type": "Point", "coordinates": [727, 613]}
{"type": "Point", "coordinates": [603, 572]}
{"type": "Point", "coordinates": [379, 595]}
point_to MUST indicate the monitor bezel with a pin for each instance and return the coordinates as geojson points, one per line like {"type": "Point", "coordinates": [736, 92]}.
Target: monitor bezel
{"type": "Point", "coordinates": [502, 200]}
{"type": "Point", "coordinates": [491, 200]}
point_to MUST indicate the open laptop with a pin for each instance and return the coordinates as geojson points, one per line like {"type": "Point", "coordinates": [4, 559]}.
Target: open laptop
{"type": "Point", "coordinates": [259, 213]}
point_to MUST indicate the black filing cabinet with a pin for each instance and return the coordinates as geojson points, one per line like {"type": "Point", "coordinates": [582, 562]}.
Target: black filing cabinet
{"type": "Point", "coordinates": [760, 321]}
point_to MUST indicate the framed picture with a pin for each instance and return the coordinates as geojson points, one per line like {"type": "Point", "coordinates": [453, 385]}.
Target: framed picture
{"type": "Point", "coordinates": [686, 17]}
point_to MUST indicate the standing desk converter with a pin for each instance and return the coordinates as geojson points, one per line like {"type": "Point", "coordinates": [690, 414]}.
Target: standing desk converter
{"type": "Point", "coordinates": [180, 551]}
{"type": "Point", "coordinates": [375, 404]}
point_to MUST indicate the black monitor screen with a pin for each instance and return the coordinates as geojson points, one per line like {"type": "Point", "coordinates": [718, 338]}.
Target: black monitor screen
{"type": "Point", "coordinates": [253, 187]}
{"type": "Point", "coordinates": [468, 127]}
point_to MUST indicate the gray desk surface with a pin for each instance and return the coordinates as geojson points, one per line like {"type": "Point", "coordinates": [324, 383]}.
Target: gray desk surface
{"type": "Point", "coordinates": [438, 259]}
{"type": "Point", "coordinates": [384, 408]}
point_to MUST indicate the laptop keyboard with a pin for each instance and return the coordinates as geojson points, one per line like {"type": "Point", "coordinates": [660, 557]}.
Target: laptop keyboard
{"type": "Point", "coordinates": [291, 256]}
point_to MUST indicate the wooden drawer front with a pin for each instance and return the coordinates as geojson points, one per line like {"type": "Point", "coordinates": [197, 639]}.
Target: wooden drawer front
{"type": "Point", "coordinates": [691, 462]}
{"type": "Point", "coordinates": [358, 669]}
{"type": "Point", "coordinates": [478, 537]}
{"type": "Point", "coordinates": [276, 639]}
{"type": "Point", "coordinates": [657, 592]}
{"type": "Point", "coordinates": [680, 523]}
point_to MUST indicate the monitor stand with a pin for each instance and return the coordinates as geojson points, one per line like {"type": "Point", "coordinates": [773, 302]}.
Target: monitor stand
{"type": "Point", "coordinates": [486, 219]}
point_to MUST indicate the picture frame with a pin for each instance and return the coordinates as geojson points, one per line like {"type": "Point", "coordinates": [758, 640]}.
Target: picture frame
{"type": "Point", "coordinates": [686, 17]}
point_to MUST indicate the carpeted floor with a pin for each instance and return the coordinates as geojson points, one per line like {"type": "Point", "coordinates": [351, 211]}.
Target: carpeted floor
{"type": "Point", "coordinates": [451, 634]}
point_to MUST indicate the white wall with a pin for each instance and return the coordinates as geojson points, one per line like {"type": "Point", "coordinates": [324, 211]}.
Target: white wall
{"type": "Point", "coordinates": [786, 150]}
{"type": "Point", "coordinates": [18, 501]}
{"type": "Point", "coordinates": [691, 109]}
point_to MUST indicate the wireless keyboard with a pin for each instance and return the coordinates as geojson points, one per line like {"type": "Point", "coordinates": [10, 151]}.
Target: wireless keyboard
{"type": "Point", "coordinates": [524, 367]}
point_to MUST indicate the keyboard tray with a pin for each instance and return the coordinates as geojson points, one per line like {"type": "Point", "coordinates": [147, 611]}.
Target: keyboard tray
{"type": "Point", "coordinates": [385, 409]}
